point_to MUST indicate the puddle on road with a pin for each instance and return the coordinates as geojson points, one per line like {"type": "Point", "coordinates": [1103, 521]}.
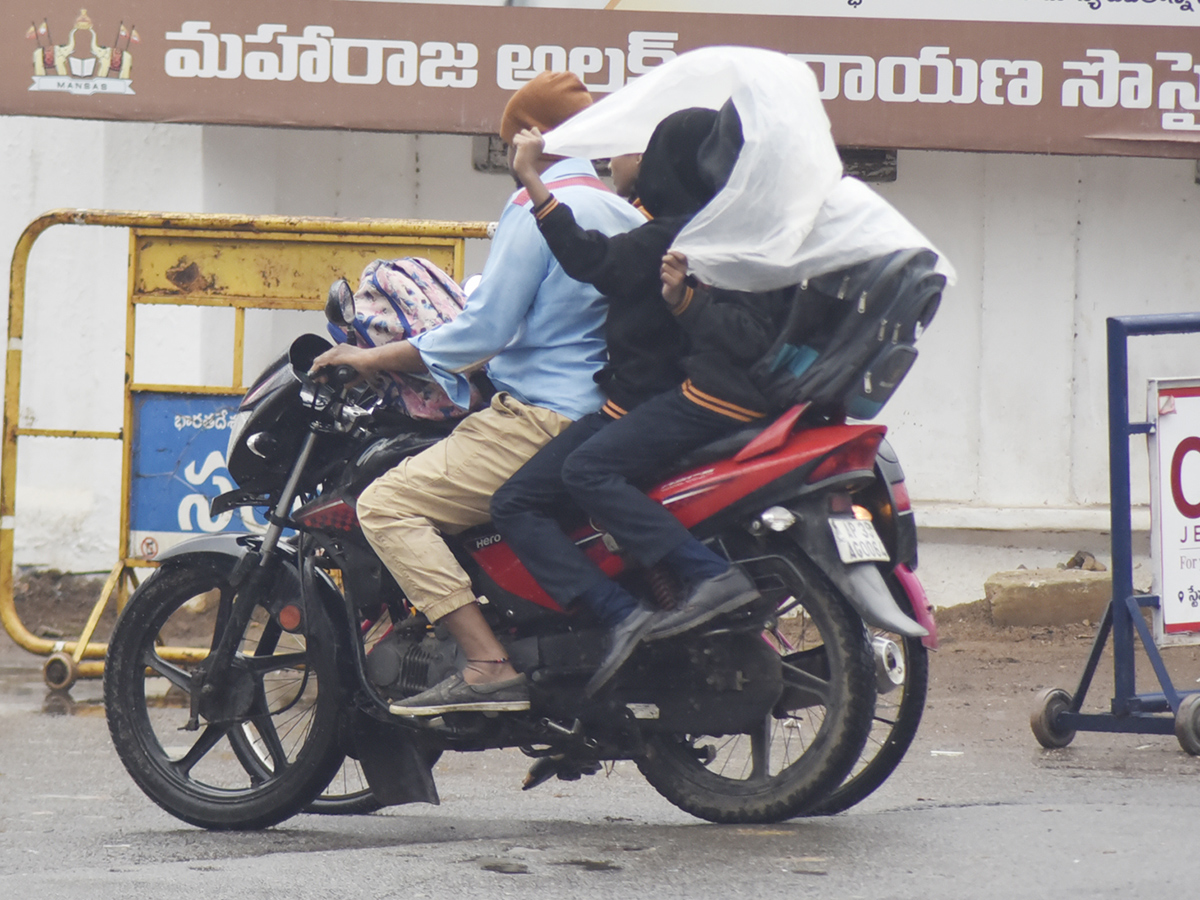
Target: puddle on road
{"type": "Point", "coordinates": [23, 691]}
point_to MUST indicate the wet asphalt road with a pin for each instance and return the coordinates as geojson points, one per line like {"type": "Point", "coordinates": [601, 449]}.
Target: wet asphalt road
{"type": "Point", "coordinates": [974, 812]}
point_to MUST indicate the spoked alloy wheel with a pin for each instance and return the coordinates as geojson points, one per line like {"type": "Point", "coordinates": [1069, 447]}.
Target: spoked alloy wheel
{"type": "Point", "coordinates": [347, 793]}
{"type": "Point", "coordinates": [897, 715]}
{"type": "Point", "coordinates": [807, 745]}
{"type": "Point", "coordinates": [275, 748]}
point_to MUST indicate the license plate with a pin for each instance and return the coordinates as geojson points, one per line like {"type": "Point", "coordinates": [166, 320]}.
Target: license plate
{"type": "Point", "coordinates": [857, 541]}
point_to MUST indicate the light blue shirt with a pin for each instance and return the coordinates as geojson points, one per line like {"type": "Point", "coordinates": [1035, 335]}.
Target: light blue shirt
{"type": "Point", "coordinates": [540, 331]}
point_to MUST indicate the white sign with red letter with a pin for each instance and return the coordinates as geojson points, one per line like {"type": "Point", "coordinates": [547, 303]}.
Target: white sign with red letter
{"type": "Point", "coordinates": [1175, 508]}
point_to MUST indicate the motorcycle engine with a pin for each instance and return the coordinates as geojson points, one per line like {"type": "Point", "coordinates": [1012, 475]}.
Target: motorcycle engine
{"type": "Point", "coordinates": [400, 665]}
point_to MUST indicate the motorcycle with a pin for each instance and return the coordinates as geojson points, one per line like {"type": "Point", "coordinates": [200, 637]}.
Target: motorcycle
{"type": "Point", "coordinates": [901, 662]}
{"type": "Point", "coordinates": [297, 642]}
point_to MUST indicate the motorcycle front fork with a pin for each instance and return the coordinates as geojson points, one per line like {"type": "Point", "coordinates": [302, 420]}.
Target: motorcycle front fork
{"type": "Point", "coordinates": [250, 583]}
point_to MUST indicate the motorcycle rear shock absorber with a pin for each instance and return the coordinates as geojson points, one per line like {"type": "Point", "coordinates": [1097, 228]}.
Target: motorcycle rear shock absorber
{"type": "Point", "coordinates": [664, 586]}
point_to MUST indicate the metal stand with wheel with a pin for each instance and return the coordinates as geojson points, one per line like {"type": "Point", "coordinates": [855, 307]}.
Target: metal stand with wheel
{"type": "Point", "coordinates": [1057, 716]}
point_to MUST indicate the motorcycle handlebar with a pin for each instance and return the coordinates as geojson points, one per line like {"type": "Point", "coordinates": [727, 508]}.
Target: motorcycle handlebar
{"type": "Point", "coordinates": [340, 376]}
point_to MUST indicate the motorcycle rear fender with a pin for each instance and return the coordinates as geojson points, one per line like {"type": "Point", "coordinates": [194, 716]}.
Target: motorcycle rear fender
{"type": "Point", "coordinates": [922, 610]}
{"type": "Point", "coordinates": [890, 474]}
{"type": "Point", "coordinates": [860, 583]}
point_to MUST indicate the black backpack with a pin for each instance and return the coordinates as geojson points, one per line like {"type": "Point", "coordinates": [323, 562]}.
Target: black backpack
{"type": "Point", "coordinates": [849, 337]}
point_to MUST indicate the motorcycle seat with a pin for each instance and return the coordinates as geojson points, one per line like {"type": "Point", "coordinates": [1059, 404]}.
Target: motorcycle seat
{"type": "Point", "coordinates": [722, 448]}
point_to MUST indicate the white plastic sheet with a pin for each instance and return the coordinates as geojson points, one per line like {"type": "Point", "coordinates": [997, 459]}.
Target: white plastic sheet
{"type": "Point", "coordinates": [853, 225]}
{"type": "Point", "coordinates": [756, 233]}
{"type": "Point", "coordinates": [786, 167]}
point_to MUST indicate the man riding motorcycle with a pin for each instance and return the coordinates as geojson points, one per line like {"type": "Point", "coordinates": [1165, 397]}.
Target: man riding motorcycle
{"type": "Point", "coordinates": [540, 334]}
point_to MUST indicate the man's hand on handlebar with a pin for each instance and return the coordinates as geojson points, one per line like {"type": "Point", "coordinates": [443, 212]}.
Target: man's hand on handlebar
{"type": "Point", "coordinates": [343, 365]}
{"type": "Point", "coordinates": [370, 362]}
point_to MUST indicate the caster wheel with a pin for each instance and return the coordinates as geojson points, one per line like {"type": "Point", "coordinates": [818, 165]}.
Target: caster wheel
{"type": "Point", "coordinates": [60, 671]}
{"type": "Point", "coordinates": [1044, 719]}
{"type": "Point", "coordinates": [1187, 724]}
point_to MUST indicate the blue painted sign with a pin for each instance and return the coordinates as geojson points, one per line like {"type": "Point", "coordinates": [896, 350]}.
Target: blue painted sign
{"type": "Point", "coordinates": [178, 466]}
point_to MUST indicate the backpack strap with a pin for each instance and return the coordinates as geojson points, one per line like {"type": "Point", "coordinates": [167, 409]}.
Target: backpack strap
{"type": "Point", "coordinates": [522, 198]}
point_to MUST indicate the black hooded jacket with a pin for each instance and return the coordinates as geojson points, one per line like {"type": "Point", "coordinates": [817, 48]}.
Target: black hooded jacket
{"type": "Point", "coordinates": [646, 343]}
{"type": "Point", "coordinates": [709, 342]}
{"type": "Point", "coordinates": [728, 331]}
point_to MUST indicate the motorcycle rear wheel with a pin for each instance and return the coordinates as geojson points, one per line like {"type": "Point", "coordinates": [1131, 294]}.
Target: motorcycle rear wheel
{"type": "Point", "coordinates": [200, 775]}
{"type": "Point", "coordinates": [348, 794]}
{"type": "Point", "coordinates": [798, 754]}
{"type": "Point", "coordinates": [897, 716]}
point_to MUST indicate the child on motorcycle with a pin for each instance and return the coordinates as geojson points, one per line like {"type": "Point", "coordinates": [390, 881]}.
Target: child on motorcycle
{"type": "Point", "coordinates": [677, 378]}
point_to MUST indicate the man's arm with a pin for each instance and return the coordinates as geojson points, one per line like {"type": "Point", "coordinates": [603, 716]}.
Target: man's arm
{"type": "Point", "coordinates": [616, 265]}
{"type": "Point", "coordinates": [528, 145]}
{"type": "Point", "coordinates": [516, 267]}
{"type": "Point", "coordinates": [399, 356]}
{"type": "Point", "coordinates": [511, 278]}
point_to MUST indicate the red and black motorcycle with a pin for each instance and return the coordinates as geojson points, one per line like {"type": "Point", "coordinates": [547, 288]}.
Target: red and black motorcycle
{"type": "Point", "coordinates": [296, 642]}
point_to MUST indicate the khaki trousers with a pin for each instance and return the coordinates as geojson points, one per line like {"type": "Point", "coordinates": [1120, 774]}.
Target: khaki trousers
{"type": "Point", "coordinates": [444, 490]}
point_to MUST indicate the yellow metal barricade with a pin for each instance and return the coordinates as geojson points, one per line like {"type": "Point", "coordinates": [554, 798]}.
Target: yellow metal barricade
{"type": "Point", "coordinates": [238, 262]}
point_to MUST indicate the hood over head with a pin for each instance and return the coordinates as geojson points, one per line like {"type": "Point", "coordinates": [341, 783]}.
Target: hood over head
{"type": "Point", "coordinates": [670, 181]}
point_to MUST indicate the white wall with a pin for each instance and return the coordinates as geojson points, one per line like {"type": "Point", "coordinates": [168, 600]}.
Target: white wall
{"type": "Point", "coordinates": [67, 499]}
{"type": "Point", "coordinates": [1001, 425]}
{"type": "Point", "coordinates": [1007, 407]}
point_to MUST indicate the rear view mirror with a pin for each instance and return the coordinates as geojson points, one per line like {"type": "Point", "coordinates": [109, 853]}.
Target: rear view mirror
{"type": "Point", "coordinates": [339, 306]}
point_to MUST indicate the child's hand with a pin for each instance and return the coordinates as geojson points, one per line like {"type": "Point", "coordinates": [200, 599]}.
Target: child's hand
{"type": "Point", "coordinates": [528, 145]}
{"type": "Point", "coordinates": [674, 278]}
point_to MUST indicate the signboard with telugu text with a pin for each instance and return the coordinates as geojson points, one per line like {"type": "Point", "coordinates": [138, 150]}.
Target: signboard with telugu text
{"type": "Point", "coordinates": [1041, 76]}
{"type": "Point", "coordinates": [178, 466]}
{"type": "Point", "coordinates": [1175, 508]}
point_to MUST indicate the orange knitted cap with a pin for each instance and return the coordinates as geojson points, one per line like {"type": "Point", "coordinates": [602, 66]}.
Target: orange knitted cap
{"type": "Point", "coordinates": [548, 100]}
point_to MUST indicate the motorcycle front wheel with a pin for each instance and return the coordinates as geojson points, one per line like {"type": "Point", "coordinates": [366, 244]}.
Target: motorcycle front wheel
{"type": "Point", "coordinates": [286, 703]}
{"type": "Point", "coordinates": [807, 745]}
{"type": "Point", "coordinates": [348, 793]}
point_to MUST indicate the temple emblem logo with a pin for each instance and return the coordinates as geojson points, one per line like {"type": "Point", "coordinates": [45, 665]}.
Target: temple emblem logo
{"type": "Point", "coordinates": [82, 65]}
